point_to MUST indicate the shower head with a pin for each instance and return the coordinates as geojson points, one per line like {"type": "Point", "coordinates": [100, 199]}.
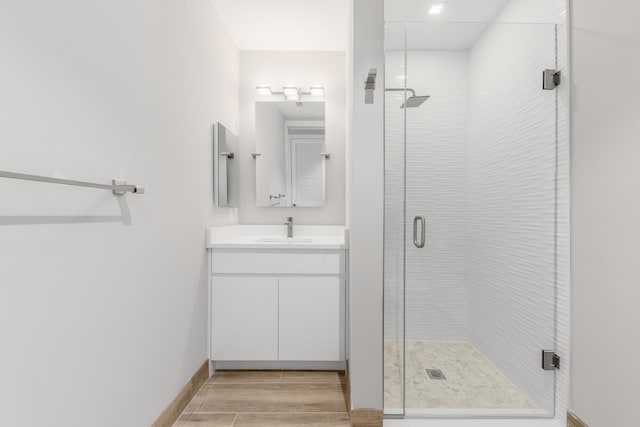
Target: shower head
{"type": "Point", "coordinates": [413, 101]}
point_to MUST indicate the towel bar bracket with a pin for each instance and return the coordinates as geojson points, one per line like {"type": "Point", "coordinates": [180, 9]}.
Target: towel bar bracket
{"type": "Point", "coordinates": [123, 188]}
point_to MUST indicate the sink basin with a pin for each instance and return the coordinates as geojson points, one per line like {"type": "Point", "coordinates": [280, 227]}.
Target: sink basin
{"type": "Point", "coordinates": [284, 240]}
{"type": "Point", "coordinates": [273, 237]}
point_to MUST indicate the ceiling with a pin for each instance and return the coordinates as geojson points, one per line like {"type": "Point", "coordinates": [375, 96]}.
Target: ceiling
{"type": "Point", "coordinates": [323, 25]}
{"type": "Point", "coordinates": [286, 24]}
{"type": "Point", "coordinates": [462, 22]}
{"type": "Point", "coordinates": [458, 27]}
{"type": "Point", "coordinates": [434, 36]}
{"type": "Point", "coordinates": [454, 10]}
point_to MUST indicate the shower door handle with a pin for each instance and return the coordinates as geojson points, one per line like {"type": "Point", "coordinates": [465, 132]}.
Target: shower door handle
{"type": "Point", "coordinates": [419, 243]}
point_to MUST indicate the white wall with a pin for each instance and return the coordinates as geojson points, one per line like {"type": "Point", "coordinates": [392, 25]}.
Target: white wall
{"type": "Point", "coordinates": [366, 208]}
{"type": "Point", "coordinates": [436, 188]}
{"type": "Point", "coordinates": [606, 208]}
{"type": "Point", "coordinates": [103, 299]}
{"type": "Point", "coordinates": [278, 69]}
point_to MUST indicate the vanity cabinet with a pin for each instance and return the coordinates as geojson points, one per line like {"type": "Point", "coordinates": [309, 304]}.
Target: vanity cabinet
{"type": "Point", "coordinates": [286, 306]}
{"type": "Point", "coordinates": [310, 318]}
{"type": "Point", "coordinates": [245, 318]}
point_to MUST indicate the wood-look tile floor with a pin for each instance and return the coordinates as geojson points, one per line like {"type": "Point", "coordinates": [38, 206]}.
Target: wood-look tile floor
{"type": "Point", "coordinates": [269, 399]}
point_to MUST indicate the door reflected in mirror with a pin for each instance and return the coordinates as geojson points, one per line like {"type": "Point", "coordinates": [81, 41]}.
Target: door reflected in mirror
{"type": "Point", "coordinates": [290, 154]}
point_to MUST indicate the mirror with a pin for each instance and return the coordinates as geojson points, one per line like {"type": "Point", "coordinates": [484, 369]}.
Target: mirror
{"type": "Point", "coordinates": [225, 167]}
{"type": "Point", "coordinates": [290, 154]}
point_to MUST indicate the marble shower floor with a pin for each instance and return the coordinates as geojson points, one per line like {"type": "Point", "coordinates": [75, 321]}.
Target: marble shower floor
{"type": "Point", "coordinates": [472, 381]}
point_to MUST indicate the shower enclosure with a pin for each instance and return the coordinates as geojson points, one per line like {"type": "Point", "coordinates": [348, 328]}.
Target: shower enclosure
{"type": "Point", "coordinates": [473, 195]}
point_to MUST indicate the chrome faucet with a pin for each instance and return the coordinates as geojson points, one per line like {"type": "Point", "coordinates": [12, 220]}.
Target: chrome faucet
{"type": "Point", "coordinates": [289, 225]}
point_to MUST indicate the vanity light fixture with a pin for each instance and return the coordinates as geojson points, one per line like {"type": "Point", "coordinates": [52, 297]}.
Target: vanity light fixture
{"type": "Point", "coordinates": [436, 8]}
{"type": "Point", "coordinates": [264, 90]}
{"type": "Point", "coordinates": [291, 93]}
{"type": "Point", "coordinates": [317, 90]}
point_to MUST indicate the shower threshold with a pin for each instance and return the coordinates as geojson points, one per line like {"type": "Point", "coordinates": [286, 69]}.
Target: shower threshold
{"type": "Point", "coordinates": [466, 413]}
{"type": "Point", "coordinates": [472, 423]}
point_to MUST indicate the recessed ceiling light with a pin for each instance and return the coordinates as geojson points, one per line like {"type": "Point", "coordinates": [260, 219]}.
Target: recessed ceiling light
{"type": "Point", "coordinates": [436, 8]}
{"type": "Point", "coordinates": [264, 90]}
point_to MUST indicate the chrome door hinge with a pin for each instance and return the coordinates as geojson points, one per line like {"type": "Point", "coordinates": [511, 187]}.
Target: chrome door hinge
{"type": "Point", "coordinates": [550, 360]}
{"type": "Point", "coordinates": [551, 79]}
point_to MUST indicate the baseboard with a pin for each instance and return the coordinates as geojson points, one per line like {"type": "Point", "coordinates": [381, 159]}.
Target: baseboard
{"type": "Point", "coordinates": [574, 421]}
{"type": "Point", "coordinates": [277, 365]}
{"type": "Point", "coordinates": [348, 384]}
{"type": "Point", "coordinates": [366, 418]}
{"type": "Point", "coordinates": [177, 405]}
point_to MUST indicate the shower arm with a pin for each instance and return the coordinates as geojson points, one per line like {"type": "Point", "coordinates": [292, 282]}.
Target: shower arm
{"type": "Point", "coordinates": [413, 92]}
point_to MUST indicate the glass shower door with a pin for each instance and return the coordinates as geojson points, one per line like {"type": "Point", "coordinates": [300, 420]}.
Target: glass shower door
{"type": "Point", "coordinates": [470, 228]}
{"type": "Point", "coordinates": [394, 223]}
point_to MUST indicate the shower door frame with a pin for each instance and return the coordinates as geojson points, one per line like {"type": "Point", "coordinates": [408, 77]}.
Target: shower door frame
{"type": "Point", "coordinates": [562, 264]}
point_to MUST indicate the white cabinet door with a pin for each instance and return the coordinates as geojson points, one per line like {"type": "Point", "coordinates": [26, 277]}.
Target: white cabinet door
{"type": "Point", "coordinates": [312, 319]}
{"type": "Point", "coordinates": [245, 318]}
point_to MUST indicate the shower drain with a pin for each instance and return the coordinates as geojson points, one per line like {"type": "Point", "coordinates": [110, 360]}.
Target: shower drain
{"type": "Point", "coordinates": [436, 374]}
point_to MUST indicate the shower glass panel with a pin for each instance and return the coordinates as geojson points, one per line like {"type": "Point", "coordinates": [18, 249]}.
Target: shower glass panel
{"type": "Point", "coordinates": [470, 219]}
{"type": "Point", "coordinates": [394, 221]}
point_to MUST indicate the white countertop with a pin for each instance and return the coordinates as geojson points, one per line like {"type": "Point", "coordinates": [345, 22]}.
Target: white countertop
{"type": "Point", "coordinates": [275, 237]}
